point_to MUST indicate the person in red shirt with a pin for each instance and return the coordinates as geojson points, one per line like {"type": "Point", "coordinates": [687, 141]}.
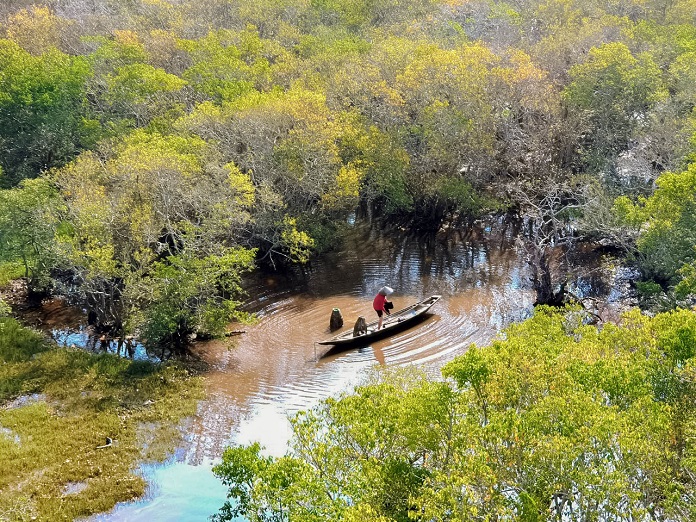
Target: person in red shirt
{"type": "Point", "coordinates": [380, 304]}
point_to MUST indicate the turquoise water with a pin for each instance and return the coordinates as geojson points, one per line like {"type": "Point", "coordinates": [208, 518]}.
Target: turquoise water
{"type": "Point", "coordinates": [172, 485]}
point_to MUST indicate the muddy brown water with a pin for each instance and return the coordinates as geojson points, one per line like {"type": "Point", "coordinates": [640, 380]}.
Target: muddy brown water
{"type": "Point", "coordinates": [258, 379]}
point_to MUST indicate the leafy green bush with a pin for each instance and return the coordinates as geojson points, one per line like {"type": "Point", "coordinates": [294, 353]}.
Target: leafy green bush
{"type": "Point", "coordinates": [667, 221]}
{"type": "Point", "coordinates": [9, 271]}
{"type": "Point", "coordinates": [556, 420]}
{"type": "Point", "coordinates": [5, 309]}
{"type": "Point", "coordinates": [648, 288]}
{"type": "Point", "coordinates": [18, 343]}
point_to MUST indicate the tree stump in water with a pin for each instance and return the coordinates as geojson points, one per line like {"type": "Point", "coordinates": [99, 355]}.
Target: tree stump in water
{"type": "Point", "coordinates": [336, 321]}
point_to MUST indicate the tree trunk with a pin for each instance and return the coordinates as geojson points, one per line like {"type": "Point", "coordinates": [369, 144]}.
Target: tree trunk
{"type": "Point", "coordinates": [542, 279]}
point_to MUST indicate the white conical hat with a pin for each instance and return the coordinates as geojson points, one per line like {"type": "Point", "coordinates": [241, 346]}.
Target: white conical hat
{"type": "Point", "coordinates": [385, 290]}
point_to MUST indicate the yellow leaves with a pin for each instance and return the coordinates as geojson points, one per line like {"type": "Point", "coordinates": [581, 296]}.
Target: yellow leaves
{"type": "Point", "coordinates": [363, 512]}
{"type": "Point", "coordinates": [89, 243]}
{"type": "Point", "coordinates": [99, 258]}
{"type": "Point", "coordinates": [308, 107]}
{"type": "Point", "coordinates": [144, 153]}
{"type": "Point", "coordinates": [243, 186]}
{"type": "Point", "coordinates": [117, 204]}
{"type": "Point", "coordinates": [162, 48]}
{"type": "Point", "coordinates": [140, 219]}
{"type": "Point", "coordinates": [302, 106]}
{"type": "Point", "coordinates": [347, 190]}
{"type": "Point", "coordinates": [684, 74]}
{"type": "Point", "coordinates": [389, 94]}
{"type": "Point", "coordinates": [612, 74]}
{"type": "Point", "coordinates": [142, 88]}
{"type": "Point", "coordinates": [152, 194]}
{"type": "Point", "coordinates": [228, 65]}
{"type": "Point", "coordinates": [36, 29]}
{"type": "Point", "coordinates": [297, 242]}
{"type": "Point", "coordinates": [127, 37]}
{"type": "Point", "coordinates": [205, 115]}
{"type": "Point", "coordinates": [524, 68]}
{"type": "Point", "coordinates": [362, 85]}
{"type": "Point", "coordinates": [531, 86]}
{"type": "Point", "coordinates": [681, 12]}
{"type": "Point", "coordinates": [459, 75]}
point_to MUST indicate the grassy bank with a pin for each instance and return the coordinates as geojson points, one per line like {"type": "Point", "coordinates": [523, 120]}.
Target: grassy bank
{"type": "Point", "coordinates": [58, 406]}
{"type": "Point", "coordinates": [10, 272]}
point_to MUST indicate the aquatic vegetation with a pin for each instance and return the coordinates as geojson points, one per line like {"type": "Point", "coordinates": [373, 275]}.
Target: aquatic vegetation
{"type": "Point", "coordinates": [74, 426]}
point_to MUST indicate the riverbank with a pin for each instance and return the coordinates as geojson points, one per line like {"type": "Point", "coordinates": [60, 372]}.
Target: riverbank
{"type": "Point", "coordinates": [274, 371]}
{"type": "Point", "coordinates": [74, 425]}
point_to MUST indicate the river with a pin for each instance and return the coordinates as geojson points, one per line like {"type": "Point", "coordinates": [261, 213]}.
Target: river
{"type": "Point", "coordinates": [256, 380]}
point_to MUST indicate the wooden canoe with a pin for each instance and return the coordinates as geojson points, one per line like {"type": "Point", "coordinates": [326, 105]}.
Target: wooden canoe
{"type": "Point", "coordinates": [392, 323]}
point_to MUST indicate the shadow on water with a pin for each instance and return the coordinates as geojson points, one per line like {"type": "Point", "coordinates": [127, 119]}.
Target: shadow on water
{"type": "Point", "coordinates": [67, 326]}
{"type": "Point", "coordinates": [83, 338]}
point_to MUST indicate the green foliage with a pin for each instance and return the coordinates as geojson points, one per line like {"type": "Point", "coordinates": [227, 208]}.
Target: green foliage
{"type": "Point", "coordinates": [289, 144]}
{"type": "Point", "coordinates": [28, 223]}
{"type": "Point", "coordinates": [125, 48]}
{"type": "Point", "coordinates": [616, 89]}
{"type": "Point", "coordinates": [459, 196]}
{"type": "Point", "coordinates": [379, 430]}
{"type": "Point", "coordinates": [238, 470]}
{"type": "Point", "coordinates": [556, 420]}
{"type": "Point", "coordinates": [152, 232]}
{"type": "Point", "coordinates": [9, 271]}
{"type": "Point", "coordinates": [667, 221]}
{"type": "Point", "coordinates": [143, 92]}
{"type": "Point", "coordinates": [687, 284]}
{"type": "Point", "coordinates": [648, 288]}
{"type": "Point", "coordinates": [183, 295]}
{"type": "Point", "coordinates": [265, 124]}
{"type": "Point", "coordinates": [126, 91]}
{"type": "Point", "coordinates": [297, 111]}
{"type": "Point", "coordinates": [450, 94]}
{"type": "Point", "coordinates": [297, 242]}
{"type": "Point", "coordinates": [42, 123]}
{"type": "Point", "coordinates": [18, 344]}
{"type": "Point", "coordinates": [384, 162]}
{"type": "Point", "coordinates": [471, 371]}
{"type": "Point", "coordinates": [227, 65]}
{"type": "Point", "coordinates": [5, 309]}
{"type": "Point", "coordinates": [363, 13]}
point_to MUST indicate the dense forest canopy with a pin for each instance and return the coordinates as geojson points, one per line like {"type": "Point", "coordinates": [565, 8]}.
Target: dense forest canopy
{"type": "Point", "coordinates": [155, 145]}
